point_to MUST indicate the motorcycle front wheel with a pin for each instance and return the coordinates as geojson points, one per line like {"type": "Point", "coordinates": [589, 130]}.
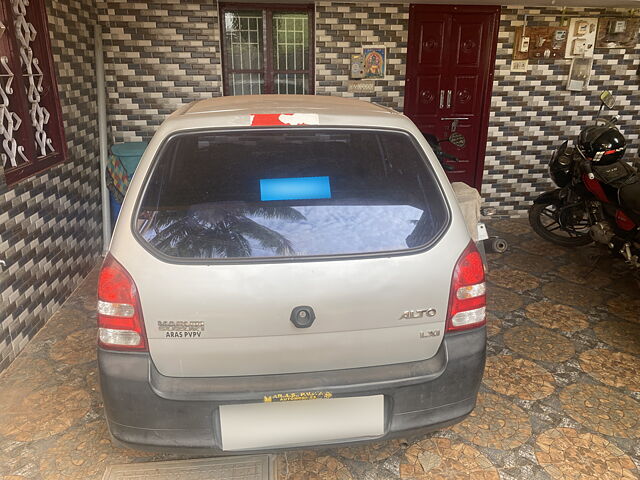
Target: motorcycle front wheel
{"type": "Point", "coordinates": [545, 219]}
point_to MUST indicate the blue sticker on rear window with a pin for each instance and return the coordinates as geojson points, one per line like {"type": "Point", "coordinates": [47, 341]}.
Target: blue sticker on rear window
{"type": "Point", "coordinates": [303, 188]}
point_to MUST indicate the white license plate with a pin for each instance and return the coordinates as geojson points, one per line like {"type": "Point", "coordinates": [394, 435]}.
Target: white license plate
{"type": "Point", "coordinates": [297, 423]}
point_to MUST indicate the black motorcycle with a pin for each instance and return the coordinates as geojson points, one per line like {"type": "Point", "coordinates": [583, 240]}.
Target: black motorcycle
{"type": "Point", "coordinates": [598, 199]}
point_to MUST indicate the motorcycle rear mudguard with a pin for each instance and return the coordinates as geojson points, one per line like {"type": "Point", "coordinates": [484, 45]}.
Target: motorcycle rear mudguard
{"type": "Point", "coordinates": [550, 197]}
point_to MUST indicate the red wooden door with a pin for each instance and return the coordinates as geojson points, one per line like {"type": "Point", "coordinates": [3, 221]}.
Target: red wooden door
{"type": "Point", "coordinates": [450, 62]}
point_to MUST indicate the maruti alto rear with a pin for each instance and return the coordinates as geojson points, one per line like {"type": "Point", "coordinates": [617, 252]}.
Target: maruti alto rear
{"type": "Point", "coordinates": [288, 271]}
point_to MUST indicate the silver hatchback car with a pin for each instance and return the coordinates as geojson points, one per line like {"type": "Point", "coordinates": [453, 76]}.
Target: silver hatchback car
{"type": "Point", "coordinates": [288, 271]}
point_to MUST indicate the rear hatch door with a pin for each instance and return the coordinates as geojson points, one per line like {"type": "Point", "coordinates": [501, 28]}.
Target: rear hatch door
{"type": "Point", "coordinates": [242, 228]}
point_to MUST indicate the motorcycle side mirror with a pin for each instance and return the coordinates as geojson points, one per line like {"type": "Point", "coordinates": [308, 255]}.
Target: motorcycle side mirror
{"type": "Point", "coordinates": [608, 99]}
{"type": "Point", "coordinates": [457, 139]}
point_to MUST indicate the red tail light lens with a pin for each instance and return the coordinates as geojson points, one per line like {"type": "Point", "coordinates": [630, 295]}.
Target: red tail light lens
{"type": "Point", "coordinates": [120, 324]}
{"type": "Point", "coordinates": [467, 300]}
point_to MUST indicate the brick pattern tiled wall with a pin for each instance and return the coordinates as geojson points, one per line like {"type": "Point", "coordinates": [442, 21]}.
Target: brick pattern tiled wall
{"type": "Point", "coordinates": [533, 113]}
{"type": "Point", "coordinates": [50, 223]}
{"type": "Point", "coordinates": [342, 29]}
{"type": "Point", "coordinates": [158, 55]}
{"type": "Point", "coordinates": [161, 55]}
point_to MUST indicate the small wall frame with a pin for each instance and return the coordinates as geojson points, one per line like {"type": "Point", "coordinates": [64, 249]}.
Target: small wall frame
{"type": "Point", "coordinates": [580, 74]}
{"type": "Point", "coordinates": [375, 61]}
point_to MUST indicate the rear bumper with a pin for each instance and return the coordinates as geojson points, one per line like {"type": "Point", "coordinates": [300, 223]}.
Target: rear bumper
{"type": "Point", "coordinates": [148, 411]}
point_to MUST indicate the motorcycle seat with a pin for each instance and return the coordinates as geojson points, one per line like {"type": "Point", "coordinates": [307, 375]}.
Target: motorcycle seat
{"type": "Point", "coordinates": [622, 179]}
{"type": "Point", "coordinates": [629, 196]}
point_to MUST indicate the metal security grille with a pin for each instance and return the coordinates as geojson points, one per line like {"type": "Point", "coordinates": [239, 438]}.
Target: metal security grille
{"type": "Point", "coordinates": [12, 153]}
{"type": "Point", "coordinates": [30, 116]}
{"type": "Point", "coordinates": [244, 32]}
{"type": "Point", "coordinates": [26, 35]}
{"type": "Point", "coordinates": [291, 52]}
{"type": "Point", "coordinates": [267, 50]}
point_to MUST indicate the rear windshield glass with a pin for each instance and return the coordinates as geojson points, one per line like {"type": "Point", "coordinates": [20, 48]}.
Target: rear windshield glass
{"type": "Point", "coordinates": [295, 192]}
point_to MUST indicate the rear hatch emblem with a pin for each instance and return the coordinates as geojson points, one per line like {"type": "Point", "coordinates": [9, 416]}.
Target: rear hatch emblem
{"type": "Point", "coordinates": [427, 312]}
{"type": "Point", "coordinates": [181, 329]}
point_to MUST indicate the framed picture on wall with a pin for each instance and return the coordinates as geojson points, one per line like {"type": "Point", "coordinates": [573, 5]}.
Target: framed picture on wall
{"type": "Point", "coordinates": [375, 59]}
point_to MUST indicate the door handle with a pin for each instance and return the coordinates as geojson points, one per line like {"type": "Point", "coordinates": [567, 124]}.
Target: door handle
{"type": "Point", "coordinates": [441, 98]}
{"type": "Point", "coordinates": [448, 98]}
{"type": "Point", "coordinates": [454, 118]}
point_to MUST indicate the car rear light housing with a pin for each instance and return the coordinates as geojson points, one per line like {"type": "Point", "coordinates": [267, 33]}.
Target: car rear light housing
{"type": "Point", "coordinates": [120, 322]}
{"type": "Point", "coordinates": [467, 300]}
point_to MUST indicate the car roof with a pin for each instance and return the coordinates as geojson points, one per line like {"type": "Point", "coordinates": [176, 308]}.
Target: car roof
{"type": "Point", "coordinates": [284, 104]}
{"type": "Point", "coordinates": [272, 110]}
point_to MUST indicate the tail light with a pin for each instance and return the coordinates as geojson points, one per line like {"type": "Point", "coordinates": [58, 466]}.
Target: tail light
{"type": "Point", "coordinates": [120, 324]}
{"type": "Point", "coordinates": [467, 300]}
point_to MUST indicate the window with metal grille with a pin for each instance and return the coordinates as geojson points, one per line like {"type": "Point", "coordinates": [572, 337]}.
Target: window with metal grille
{"type": "Point", "coordinates": [31, 130]}
{"type": "Point", "coordinates": [267, 50]}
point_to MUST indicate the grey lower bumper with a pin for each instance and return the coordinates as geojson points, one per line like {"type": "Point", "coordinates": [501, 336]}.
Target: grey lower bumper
{"type": "Point", "coordinates": [146, 410]}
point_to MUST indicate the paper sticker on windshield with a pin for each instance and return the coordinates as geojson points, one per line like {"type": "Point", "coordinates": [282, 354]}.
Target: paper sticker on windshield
{"type": "Point", "coordinates": [292, 119]}
{"type": "Point", "coordinates": [181, 329]}
{"type": "Point", "coordinates": [303, 188]}
{"type": "Point", "coordinates": [293, 397]}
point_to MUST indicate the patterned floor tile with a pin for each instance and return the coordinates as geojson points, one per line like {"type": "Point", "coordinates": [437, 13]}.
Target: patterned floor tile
{"type": "Point", "coordinates": [514, 280]}
{"type": "Point", "coordinates": [534, 382]}
{"type": "Point", "coordinates": [495, 423]}
{"type": "Point", "coordinates": [616, 369]}
{"type": "Point", "coordinates": [556, 316]}
{"type": "Point", "coordinates": [559, 399]}
{"type": "Point", "coordinates": [442, 459]}
{"type": "Point", "coordinates": [625, 307]}
{"type": "Point", "coordinates": [309, 465]}
{"type": "Point", "coordinates": [44, 413]}
{"type": "Point", "coordinates": [527, 262]}
{"type": "Point", "coordinates": [502, 300]}
{"type": "Point", "coordinates": [494, 325]}
{"type": "Point", "coordinates": [372, 452]}
{"type": "Point", "coordinates": [78, 347]}
{"type": "Point", "coordinates": [573, 294]}
{"type": "Point", "coordinates": [84, 453]}
{"type": "Point", "coordinates": [17, 460]}
{"type": "Point", "coordinates": [602, 409]}
{"type": "Point", "coordinates": [508, 226]}
{"type": "Point", "coordinates": [584, 275]}
{"type": "Point", "coordinates": [539, 344]}
{"type": "Point", "coordinates": [24, 375]}
{"type": "Point", "coordinates": [537, 246]}
{"type": "Point", "coordinates": [619, 334]}
{"type": "Point", "coordinates": [566, 454]}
